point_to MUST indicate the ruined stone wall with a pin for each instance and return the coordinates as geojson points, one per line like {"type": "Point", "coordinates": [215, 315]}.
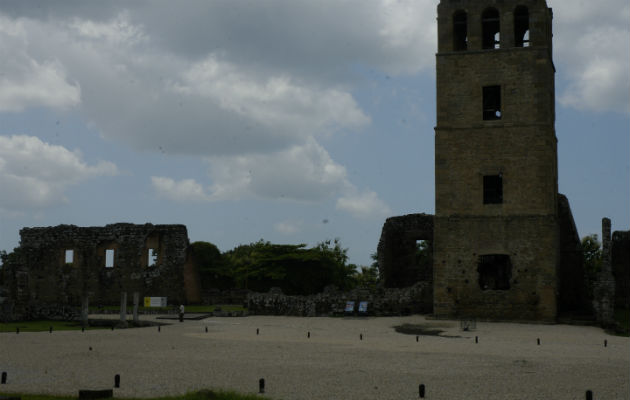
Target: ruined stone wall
{"type": "Point", "coordinates": [530, 244]}
{"type": "Point", "coordinates": [620, 260]}
{"type": "Point", "coordinates": [604, 285]}
{"type": "Point", "coordinates": [416, 299]}
{"type": "Point", "coordinates": [572, 292]}
{"type": "Point", "coordinates": [43, 277]}
{"type": "Point", "coordinates": [396, 252]}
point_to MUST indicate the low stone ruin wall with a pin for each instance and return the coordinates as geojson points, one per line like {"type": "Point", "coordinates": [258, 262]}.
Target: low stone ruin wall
{"type": "Point", "coordinates": [417, 299]}
{"type": "Point", "coordinates": [233, 296]}
{"type": "Point", "coordinates": [620, 260]}
{"type": "Point", "coordinates": [63, 264]}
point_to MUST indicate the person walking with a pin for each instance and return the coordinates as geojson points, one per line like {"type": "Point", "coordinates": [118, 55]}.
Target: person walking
{"type": "Point", "coordinates": [181, 313]}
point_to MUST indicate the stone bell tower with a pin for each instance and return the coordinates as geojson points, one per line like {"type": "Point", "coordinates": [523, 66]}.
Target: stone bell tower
{"type": "Point", "coordinates": [496, 235]}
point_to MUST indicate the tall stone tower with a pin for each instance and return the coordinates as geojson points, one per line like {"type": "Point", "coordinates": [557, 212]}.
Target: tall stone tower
{"type": "Point", "coordinates": [496, 235]}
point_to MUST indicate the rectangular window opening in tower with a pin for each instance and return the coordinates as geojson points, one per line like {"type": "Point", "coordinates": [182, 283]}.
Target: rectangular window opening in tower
{"type": "Point", "coordinates": [491, 103]}
{"type": "Point", "coordinates": [493, 189]}
{"type": "Point", "coordinates": [152, 257]}
{"type": "Point", "coordinates": [495, 271]}
{"type": "Point", "coordinates": [69, 258]}
{"type": "Point", "coordinates": [109, 258]}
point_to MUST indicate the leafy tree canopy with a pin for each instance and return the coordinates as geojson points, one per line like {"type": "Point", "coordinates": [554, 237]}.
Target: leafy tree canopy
{"type": "Point", "coordinates": [592, 257]}
{"type": "Point", "coordinates": [294, 268]}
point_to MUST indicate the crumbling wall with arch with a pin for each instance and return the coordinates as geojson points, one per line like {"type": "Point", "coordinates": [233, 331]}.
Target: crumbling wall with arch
{"type": "Point", "coordinates": [397, 249]}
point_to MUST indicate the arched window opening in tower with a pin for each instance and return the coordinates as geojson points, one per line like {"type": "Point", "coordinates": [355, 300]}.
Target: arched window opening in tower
{"type": "Point", "coordinates": [460, 31]}
{"type": "Point", "coordinates": [491, 29]}
{"type": "Point", "coordinates": [521, 27]}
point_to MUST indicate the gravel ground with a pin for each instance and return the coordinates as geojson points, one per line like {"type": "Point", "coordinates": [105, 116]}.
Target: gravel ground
{"type": "Point", "coordinates": [506, 363]}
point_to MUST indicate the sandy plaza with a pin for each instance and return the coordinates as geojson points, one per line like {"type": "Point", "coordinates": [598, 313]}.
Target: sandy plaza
{"type": "Point", "coordinates": [324, 358]}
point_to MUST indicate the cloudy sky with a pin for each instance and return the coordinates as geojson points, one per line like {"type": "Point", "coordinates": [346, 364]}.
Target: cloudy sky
{"type": "Point", "coordinates": [292, 121]}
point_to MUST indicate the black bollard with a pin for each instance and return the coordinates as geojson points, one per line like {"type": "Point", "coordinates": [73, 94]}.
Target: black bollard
{"type": "Point", "coordinates": [83, 329]}
{"type": "Point", "coordinates": [476, 339]}
{"type": "Point", "coordinates": [538, 341]}
{"type": "Point", "coordinates": [417, 338]}
{"type": "Point", "coordinates": [90, 348]}
{"type": "Point", "coordinates": [257, 331]}
{"type": "Point", "coordinates": [360, 336]}
{"type": "Point", "coordinates": [117, 381]}
{"type": "Point", "coordinates": [17, 331]}
{"type": "Point", "coordinates": [421, 391]}
{"type": "Point", "coordinates": [308, 335]}
{"type": "Point", "coordinates": [4, 378]}
{"type": "Point", "coordinates": [605, 343]}
{"type": "Point", "coordinates": [158, 328]}
{"type": "Point", "coordinates": [206, 329]}
{"type": "Point", "coordinates": [112, 327]}
{"type": "Point", "coordinates": [261, 386]}
{"type": "Point", "coordinates": [50, 329]}
{"type": "Point", "coordinates": [589, 395]}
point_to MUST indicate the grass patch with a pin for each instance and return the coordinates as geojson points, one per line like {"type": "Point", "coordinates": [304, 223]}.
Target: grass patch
{"type": "Point", "coordinates": [43, 326]}
{"type": "Point", "coordinates": [199, 395]}
{"type": "Point", "coordinates": [189, 309]}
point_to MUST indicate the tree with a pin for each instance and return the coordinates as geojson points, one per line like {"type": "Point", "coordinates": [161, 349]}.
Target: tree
{"type": "Point", "coordinates": [214, 271]}
{"type": "Point", "coordinates": [375, 265]}
{"type": "Point", "coordinates": [367, 277]}
{"type": "Point", "coordinates": [294, 268]}
{"type": "Point", "coordinates": [592, 257]}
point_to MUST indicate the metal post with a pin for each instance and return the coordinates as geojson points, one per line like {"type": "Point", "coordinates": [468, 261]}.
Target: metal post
{"type": "Point", "coordinates": [123, 306]}
{"type": "Point", "coordinates": [136, 300]}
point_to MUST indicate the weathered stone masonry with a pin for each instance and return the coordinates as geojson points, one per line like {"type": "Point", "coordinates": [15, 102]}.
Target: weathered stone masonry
{"type": "Point", "coordinates": [496, 238]}
{"type": "Point", "coordinates": [415, 299]}
{"type": "Point", "coordinates": [620, 260]}
{"type": "Point", "coordinates": [504, 240]}
{"type": "Point", "coordinates": [397, 250]}
{"type": "Point", "coordinates": [63, 264]}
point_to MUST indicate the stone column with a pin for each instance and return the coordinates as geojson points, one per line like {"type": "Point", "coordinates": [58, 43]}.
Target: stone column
{"type": "Point", "coordinates": [123, 307]}
{"type": "Point", "coordinates": [136, 299]}
{"type": "Point", "coordinates": [84, 310]}
{"type": "Point", "coordinates": [604, 286]}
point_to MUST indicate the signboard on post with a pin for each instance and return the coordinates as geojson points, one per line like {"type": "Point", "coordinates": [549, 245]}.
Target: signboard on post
{"type": "Point", "coordinates": [349, 307]}
{"type": "Point", "coordinates": [155, 301]}
{"type": "Point", "coordinates": [363, 305]}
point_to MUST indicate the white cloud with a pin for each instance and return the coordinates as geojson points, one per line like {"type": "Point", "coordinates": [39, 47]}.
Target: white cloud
{"type": "Point", "coordinates": [27, 81]}
{"type": "Point", "coordinates": [592, 42]}
{"type": "Point", "coordinates": [35, 174]}
{"type": "Point", "coordinates": [275, 102]}
{"type": "Point", "coordinates": [184, 191]}
{"type": "Point", "coordinates": [408, 31]}
{"type": "Point", "coordinates": [150, 82]}
{"type": "Point", "coordinates": [116, 31]}
{"type": "Point", "coordinates": [301, 173]}
{"type": "Point", "coordinates": [363, 205]}
{"type": "Point", "coordinates": [288, 227]}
